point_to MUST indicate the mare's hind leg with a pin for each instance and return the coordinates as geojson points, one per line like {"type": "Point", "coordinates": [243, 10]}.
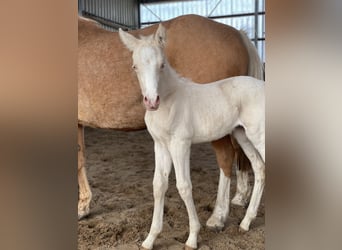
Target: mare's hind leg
{"type": "Point", "coordinates": [84, 191]}
{"type": "Point", "coordinates": [224, 156]}
{"type": "Point", "coordinates": [242, 165]}
{"type": "Point", "coordinates": [256, 157]}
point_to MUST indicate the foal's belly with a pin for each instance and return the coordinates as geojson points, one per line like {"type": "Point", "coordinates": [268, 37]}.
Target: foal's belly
{"type": "Point", "coordinates": [210, 137]}
{"type": "Point", "coordinates": [212, 133]}
{"type": "Point", "coordinates": [214, 124]}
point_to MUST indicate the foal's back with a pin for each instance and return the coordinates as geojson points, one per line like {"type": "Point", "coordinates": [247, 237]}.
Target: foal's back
{"type": "Point", "coordinates": [214, 110]}
{"type": "Point", "coordinates": [243, 89]}
{"type": "Point", "coordinates": [230, 91]}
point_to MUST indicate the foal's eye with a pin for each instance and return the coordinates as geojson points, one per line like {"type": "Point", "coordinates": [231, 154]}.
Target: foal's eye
{"type": "Point", "coordinates": [134, 67]}
{"type": "Point", "coordinates": [162, 65]}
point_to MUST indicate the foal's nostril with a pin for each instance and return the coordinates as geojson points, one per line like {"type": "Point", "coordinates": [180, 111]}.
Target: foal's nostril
{"type": "Point", "coordinates": [145, 98]}
{"type": "Point", "coordinates": [157, 99]}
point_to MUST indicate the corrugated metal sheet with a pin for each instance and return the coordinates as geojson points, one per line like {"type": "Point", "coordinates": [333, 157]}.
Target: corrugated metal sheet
{"type": "Point", "coordinates": [116, 13]}
{"type": "Point", "coordinates": [125, 13]}
{"type": "Point", "coordinates": [241, 14]}
{"type": "Point", "coordinates": [167, 10]}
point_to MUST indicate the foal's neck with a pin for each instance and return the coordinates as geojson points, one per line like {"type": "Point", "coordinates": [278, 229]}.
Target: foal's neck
{"type": "Point", "coordinates": [170, 81]}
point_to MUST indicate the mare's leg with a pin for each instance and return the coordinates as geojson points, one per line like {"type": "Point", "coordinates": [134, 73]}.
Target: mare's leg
{"type": "Point", "coordinates": [250, 147]}
{"type": "Point", "coordinates": [180, 153]}
{"type": "Point", "coordinates": [242, 166]}
{"type": "Point", "coordinates": [224, 156]}
{"type": "Point", "coordinates": [84, 191]}
{"type": "Point", "coordinates": [160, 184]}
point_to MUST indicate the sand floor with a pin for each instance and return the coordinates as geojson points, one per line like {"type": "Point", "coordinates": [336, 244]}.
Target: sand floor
{"type": "Point", "coordinates": [120, 169]}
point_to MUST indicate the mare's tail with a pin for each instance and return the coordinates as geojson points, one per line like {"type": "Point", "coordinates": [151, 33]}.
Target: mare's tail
{"type": "Point", "coordinates": [255, 67]}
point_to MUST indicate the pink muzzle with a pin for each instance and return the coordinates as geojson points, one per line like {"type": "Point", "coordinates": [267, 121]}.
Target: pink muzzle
{"type": "Point", "coordinates": [151, 104]}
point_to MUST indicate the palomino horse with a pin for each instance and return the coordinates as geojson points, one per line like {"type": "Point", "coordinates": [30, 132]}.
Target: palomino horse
{"type": "Point", "coordinates": [181, 113]}
{"type": "Point", "coordinates": [108, 92]}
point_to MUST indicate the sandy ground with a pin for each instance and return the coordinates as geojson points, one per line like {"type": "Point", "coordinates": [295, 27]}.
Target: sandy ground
{"type": "Point", "coordinates": [120, 169]}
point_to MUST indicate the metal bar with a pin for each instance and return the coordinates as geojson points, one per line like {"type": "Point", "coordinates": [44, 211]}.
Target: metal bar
{"type": "Point", "coordinates": [256, 22]}
{"type": "Point", "coordinates": [259, 39]}
{"type": "Point", "coordinates": [211, 12]}
{"type": "Point", "coordinates": [218, 17]}
{"type": "Point", "coordinates": [107, 22]}
{"type": "Point", "coordinates": [238, 15]}
{"type": "Point", "coordinates": [139, 14]}
{"type": "Point", "coordinates": [152, 12]}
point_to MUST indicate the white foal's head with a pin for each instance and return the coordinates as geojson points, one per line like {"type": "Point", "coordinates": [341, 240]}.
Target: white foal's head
{"type": "Point", "coordinates": [148, 63]}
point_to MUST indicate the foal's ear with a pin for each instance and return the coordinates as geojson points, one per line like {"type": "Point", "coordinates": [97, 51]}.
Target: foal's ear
{"type": "Point", "coordinates": [160, 35]}
{"type": "Point", "coordinates": [127, 39]}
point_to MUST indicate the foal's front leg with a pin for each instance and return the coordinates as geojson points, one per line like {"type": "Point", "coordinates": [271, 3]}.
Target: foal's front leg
{"type": "Point", "coordinates": [160, 185]}
{"type": "Point", "coordinates": [180, 153]}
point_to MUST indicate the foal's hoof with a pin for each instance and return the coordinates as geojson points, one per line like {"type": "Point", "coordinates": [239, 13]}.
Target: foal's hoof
{"type": "Point", "coordinates": [242, 230]}
{"type": "Point", "coordinates": [216, 229]}
{"type": "Point", "coordinates": [143, 248]}
{"type": "Point", "coordinates": [238, 200]}
{"type": "Point", "coordinates": [83, 208]}
{"type": "Point", "coordinates": [215, 224]}
{"type": "Point", "coordinates": [244, 225]}
{"type": "Point", "coordinates": [83, 214]}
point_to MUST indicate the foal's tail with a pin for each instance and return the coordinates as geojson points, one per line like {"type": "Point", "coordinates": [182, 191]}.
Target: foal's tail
{"type": "Point", "coordinates": [255, 67]}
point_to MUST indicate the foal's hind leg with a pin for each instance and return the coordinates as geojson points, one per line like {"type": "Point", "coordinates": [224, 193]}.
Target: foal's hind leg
{"type": "Point", "coordinates": [257, 160]}
{"type": "Point", "coordinates": [225, 156]}
{"type": "Point", "coordinates": [242, 165]}
{"type": "Point", "coordinates": [84, 191]}
{"type": "Point", "coordinates": [228, 154]}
